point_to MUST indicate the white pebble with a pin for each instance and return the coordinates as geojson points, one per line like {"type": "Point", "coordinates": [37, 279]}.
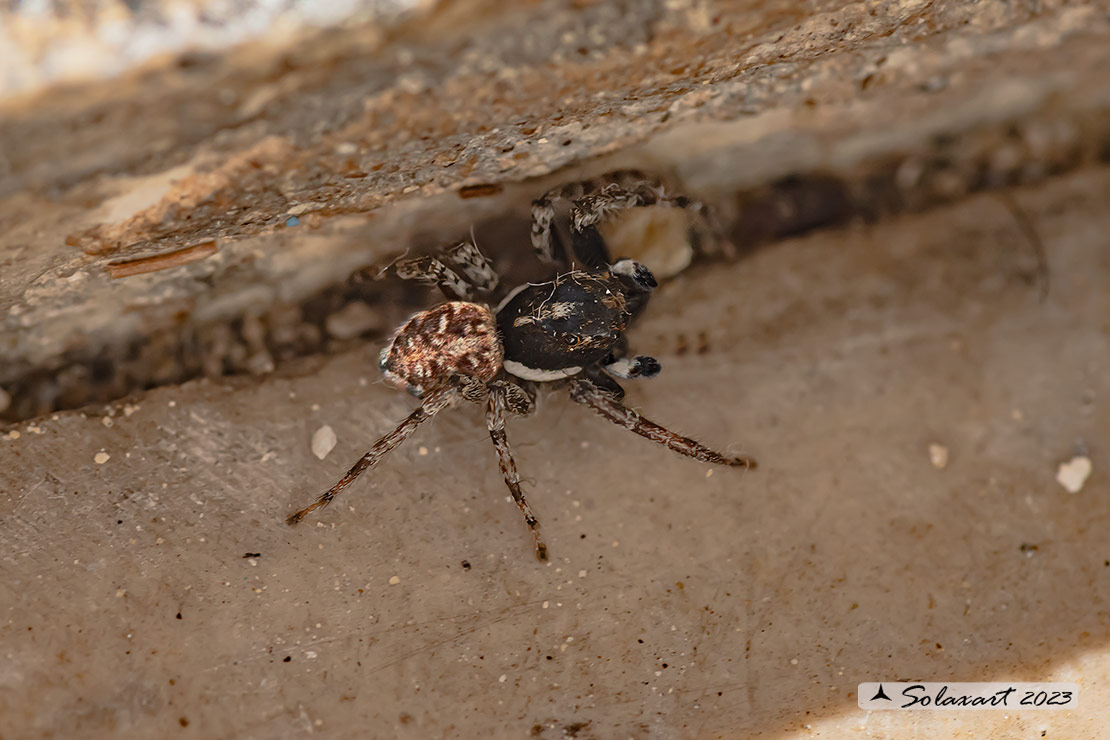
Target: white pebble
{"type": "Point", "coordinates": [394, 580]}
{"type": "Point", "coordinates": [323, 441]}
{"type": "Point", "coordinates": [938, 455]}
{"type": "Point", "coordinates": [1074, 473]}
{"type": "Point", "coordinates": [101, 457]}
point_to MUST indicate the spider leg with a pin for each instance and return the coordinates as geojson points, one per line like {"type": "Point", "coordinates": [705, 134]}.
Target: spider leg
{"type": "Point", "coordinates": [495, 420]}
{"type": "Point", "coordinates": [433, 403]}
{"type": "Point", "coordinates": [475, 266]}
{"type": "Point", "coordinates": [632, 189]}
{"type": "Point", "coordinates": [589, 250]}
{"type": "Point", "coordinates": [543, 217]}
{"type": "Point", "coordinates": [471, 389]}
{"type": "Point", "coordinates": [434, 271]}
{"type": "Point", "coordinates": [520, 396]}
{"type": "Point", "coordinates": [640, 366]}
{"type": "Point", "coordinates": [610, 407]}
{"type": "Point", "coordinates": [618, 364]}
{"type": "Point", "coordinates": [603, 382]}
{"type": "Point", "coordinates": [477, 273]}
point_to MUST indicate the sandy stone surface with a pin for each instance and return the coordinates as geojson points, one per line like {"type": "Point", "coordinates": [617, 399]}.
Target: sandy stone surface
{"type": "Point", "coordinates": [158, 593]}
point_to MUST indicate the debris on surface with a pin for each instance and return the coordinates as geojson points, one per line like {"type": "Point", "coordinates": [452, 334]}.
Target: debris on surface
{"type": "Point", "coordinates": [101, 457]}
{"type": "Point", "coordinates": [1073, 474]}
{"type": "Point", "coordinates": [938, 456]}
{"type": "Point", "coordinates": [323, 441]}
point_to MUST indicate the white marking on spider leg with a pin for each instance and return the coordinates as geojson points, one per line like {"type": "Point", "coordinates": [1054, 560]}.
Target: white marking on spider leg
{"type": "Point", "coordinates": [635, 271]}
{"type": "Point", "coordinates": [529, 373]}
{"type": "Point", "coordinates": [623, 368]}
{"type": "Point", "coordinates": [640, 366]}
{"type": "Point", "coordinates": [624, 267]}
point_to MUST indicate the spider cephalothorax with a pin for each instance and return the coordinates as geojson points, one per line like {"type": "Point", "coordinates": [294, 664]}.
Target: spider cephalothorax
{"type": "Point", "coordinates": [570, 329]}
{"type": "Point", "coordinates": [553, 330]}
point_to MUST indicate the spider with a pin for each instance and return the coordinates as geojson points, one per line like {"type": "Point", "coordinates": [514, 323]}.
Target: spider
{"type": "Point", "coordinates": [567, 331]}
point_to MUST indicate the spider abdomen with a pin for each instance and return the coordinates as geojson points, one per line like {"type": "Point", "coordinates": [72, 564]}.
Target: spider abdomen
{"type": "Point", "coordinates": [452, 339]}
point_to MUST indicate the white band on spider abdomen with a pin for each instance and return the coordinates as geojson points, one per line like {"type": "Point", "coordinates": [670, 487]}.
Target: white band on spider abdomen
{"type": "Point", "coordinates": [529, 373]}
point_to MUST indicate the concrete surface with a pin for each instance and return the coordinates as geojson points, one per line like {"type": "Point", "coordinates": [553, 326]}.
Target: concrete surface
{"type": "Point", "coordinates": [149, 587]}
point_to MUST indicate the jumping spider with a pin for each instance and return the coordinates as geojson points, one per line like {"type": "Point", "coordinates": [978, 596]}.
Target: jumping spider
{"type": "Point", "coordinates": [569, 330]}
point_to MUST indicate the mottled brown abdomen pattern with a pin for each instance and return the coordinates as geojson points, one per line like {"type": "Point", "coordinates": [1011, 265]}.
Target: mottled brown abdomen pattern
{"type": "Point", "coordinates": [456, 338]}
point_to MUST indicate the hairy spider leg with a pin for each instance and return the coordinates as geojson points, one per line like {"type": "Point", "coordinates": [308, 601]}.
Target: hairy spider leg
{"type": "Point", "coordinates": [608, 406]}
{"type": "Point", "coordinates": [520, 396]}
{"type": "Point", "coordinates": [495, 421]}
{"type": "Point", "coordinates": [640, 366]}
{"type": "Point", "coordinates": [590, 248]}
{"type": "Point", "coordinates": [433, 271]}
{"type": "Point", "coordinates": [630, 189]}
{"type": "Point", "coordinates": [544, 207]}
{"type": "Point", "coordinates": [475, 266]}
{"type": "Point", "coordinates": [591, 253]}
{"type": "Point", "coordinates": [592, 201]}
{"type": "Point", "coordinates": [477, 273]}
{"type": "Point", "coordinates": [433, 403]}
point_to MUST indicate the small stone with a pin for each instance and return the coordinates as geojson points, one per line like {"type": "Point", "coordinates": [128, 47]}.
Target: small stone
{"type": "Point", "coordinates": [353, 320]}
{"type": "Point", "coordinates": [394, 580]}
{"type": "Point", "coordinates": [938, 456]}
{"type": "Point", "coordinates": [658, 237]}
{"type": "Point", "coordinates": [323, 441]}
{"type": "Point", "coordinates": [1073, 474]}
{"type": "Point", "coordinates": [260, 363]}
{"type": "Point", "coordinates": [101, 457]}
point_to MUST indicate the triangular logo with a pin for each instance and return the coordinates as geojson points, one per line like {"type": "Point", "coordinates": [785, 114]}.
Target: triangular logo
{"type": "Point", "coordinates": [880, 694]}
